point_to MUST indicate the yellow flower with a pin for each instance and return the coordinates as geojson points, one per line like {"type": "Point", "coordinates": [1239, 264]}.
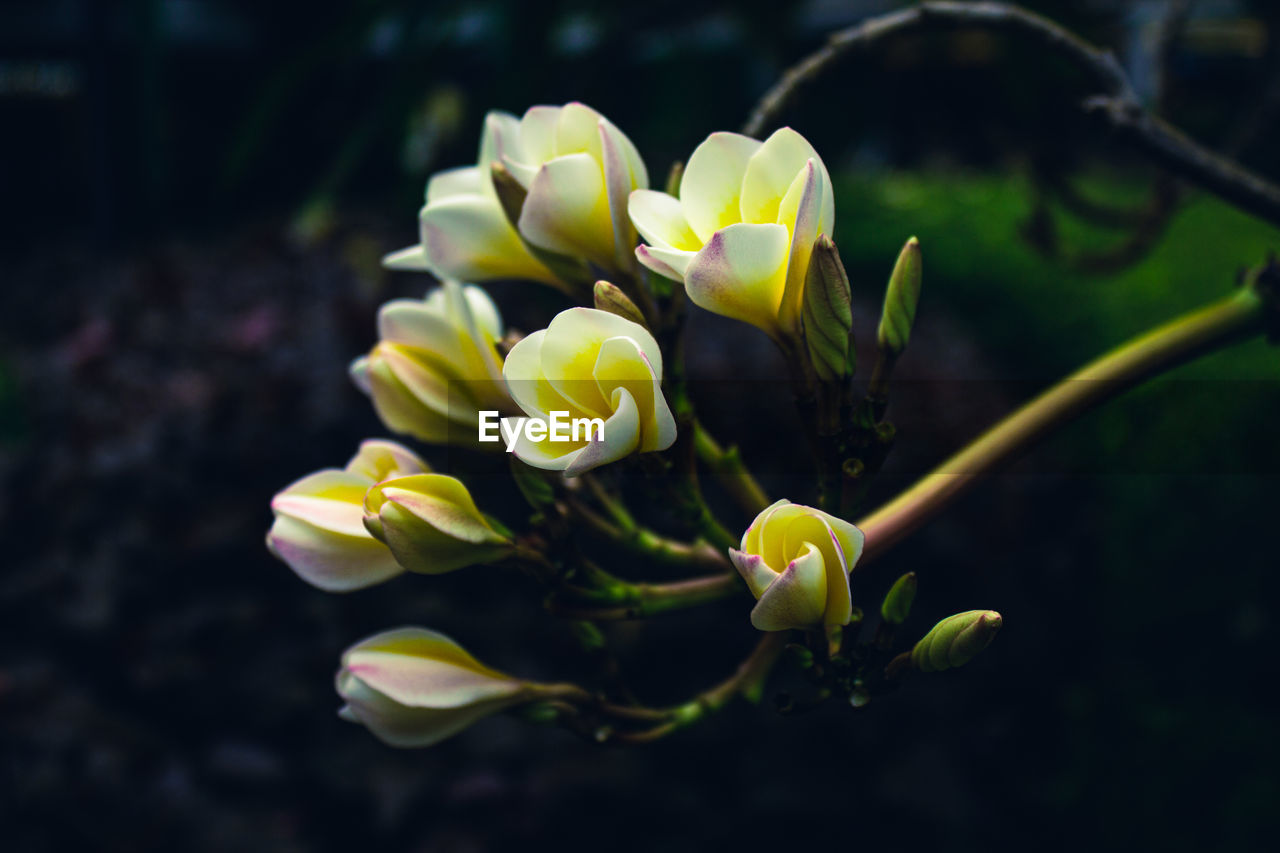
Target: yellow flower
{"type": "Point", "coordinates": [796, 560]}
{"type": "Point", "coordinates": [319, 521]}
{"type": "Point", "coordinates": [741, 233]}
{"type": "Point", "coordinates": [436, 365]}
{"type": "Point", "coordinates": [431, 524]}
{"type": "Point", "coordinates": [415, 687]}
{"type": "Point", "coordinates": [589, 365]}
{"type": "Point", "coordinates": [577, 169]}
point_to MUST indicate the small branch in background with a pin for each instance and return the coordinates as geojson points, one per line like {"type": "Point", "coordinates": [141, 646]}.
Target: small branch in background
{"type": "Point", "coordinates": [730, 471]}
{"type": "Point", "coordinates": [1116, 104]}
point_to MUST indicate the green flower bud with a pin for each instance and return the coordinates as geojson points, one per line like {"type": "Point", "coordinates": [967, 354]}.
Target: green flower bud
{"type": "Point", "coordinates": [900, 301]}
{"type": "Point", "coordinates": [828, 317]}
{"type": "Point", "coordinates": [431, 524]}
{"type": "Point", "coordinates": [897, 603]}
{"type": "Point", "coordinates": [956, 640]}
{"type": "Point", "coordinates": [609, 297]}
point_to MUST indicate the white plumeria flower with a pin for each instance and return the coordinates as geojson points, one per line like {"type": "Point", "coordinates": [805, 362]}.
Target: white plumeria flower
{"type": "Point", "coordinates": [590, 364]}
{"type": "Point", "coordinates": [578, 170]}
{"type": "Point", "coordinates": [742, 231]}
{"type": "Point", "coordinates": [796, 561]}
{"type": "Point", "coordinates": [319, 528]}
{"type": "Point", "coordinates": [436, 364]}
{"type": "Point", "coordinates": [415, 687]}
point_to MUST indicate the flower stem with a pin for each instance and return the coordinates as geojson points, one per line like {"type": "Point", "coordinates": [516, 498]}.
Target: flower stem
{"type": "Point", "coordinates": [729, 469]}
{"type": "Point", "coordinates": [1236, 318]}
{"type": "Point", "coordinates": [615, 599]}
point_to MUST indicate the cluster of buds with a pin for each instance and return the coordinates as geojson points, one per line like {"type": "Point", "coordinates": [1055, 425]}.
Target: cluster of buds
{"type": "Point", "coordinates": [560, 197]}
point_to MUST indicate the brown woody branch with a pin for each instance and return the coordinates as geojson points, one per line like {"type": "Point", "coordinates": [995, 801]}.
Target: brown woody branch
{"type": "Point", "coordinates": [1115, 101]}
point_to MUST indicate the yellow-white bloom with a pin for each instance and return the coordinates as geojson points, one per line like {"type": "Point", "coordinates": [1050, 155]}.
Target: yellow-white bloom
{"type": "Point", "coordinates": [431, 524]}
{"type": "Point", "coordinates": [796, 560]}
{"type": "Point", "coordinates": [319, 520]}
{"type": "Point", "coordinates": [578, 170]}
{"type": "Point", "coordinates": [436, 364]}
{"type": "Point", "coordinates": [741, 233]}
{"type": "Point", "coordinates": [590, 364]}
{"type": "Point", "coordinates": [465, 234]}
{"type": "Point", "coordinates": [414, 687]}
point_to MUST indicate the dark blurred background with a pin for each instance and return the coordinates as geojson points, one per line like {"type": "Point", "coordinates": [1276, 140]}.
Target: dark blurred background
{"type": "Point", "coordinates": [196, 194]}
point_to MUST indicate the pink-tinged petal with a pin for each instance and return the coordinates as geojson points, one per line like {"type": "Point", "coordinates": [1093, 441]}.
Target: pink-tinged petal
{"type": "Point", "coordinates": [413, 322]}
{"type": "Point", "coordinates": [771, 171]}
{"type": "Point", "coordinates": [402, 726]}
{"type": "Point", "coordinates": [469, 238]}
{"type": "Point", "coordinates": [712, 184]}
{"type": "Point", "coordinates": [742, 273]}
{"type": "Point", "coordinates": [754, 571]}
{"type": "Point", "coordinates": [331, 561]}
{"type": "Point", "coordinates": [797, 599]}
{"type": "Point", "coordinates": [410, 259]}
{"type": "Point", "coordinates": [799, 212]}
{"type": "Point", "coordinates": [468, 180]}
{"type": "Point", "coordinates": [567, 210]}
{"type": "Point", "coordinates": [660, 220]}
{"type": "Point", "coordinates": [671, 263]}
{"type": "Point", "coordinates": [359, 373]}
{"type": "Point", "coordinates": [425, 669]}
{"type": "Point", "coordinates": [638, 174]}
{"type": "Point", "coordinates": [621, 437]}
{"type": "Point", "coordinates": [618, 185]}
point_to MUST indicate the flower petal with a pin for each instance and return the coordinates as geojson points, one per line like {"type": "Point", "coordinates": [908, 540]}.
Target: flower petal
{"type": "Point", "coordinates": [425, 669]}
{"type": "Point", "coordinates": [660, 220]}
{"type": "Point", "coordinates": [712, 184]}
{"type": "Point", "coordinates": [501, 138]}
{"type": "Point", "coordinates": [618, 183]}
{"type": "Point", "coordinates": [621, 364]}
{"type": "Point", "coordinates": [754, 571]}
{"type": "Point", "coordinates": [671, 263]}
{"type": "Point", "coordinates": [799, 212]}
{"type": "Point", "coordinates": [403, 726]}
{"type": "Point", "coordinates": [411, 258]}
{"type": "Point", "coordinates": [797, 599]}
{"type": "Point", "coordinates": [378, 459]}
{"type": "Point", "coordinates": [567, 210]}
{"type": "Point", "coordinates": [525, 381]}
{"type": "Point", "coordinates": [469, 238]}
{"type": "Point", "coordinates": [331, 561]}
{"type": "Point", "coordinates": [468, 180]}
{"type": "Point", "coordinates": [742, 273]}
{"type": "Point", "coordinates": [772, 170]}
{"type": "Point", "coordinates": [572, 345]}
{"type": "Point", "coordinates": [621, 437]}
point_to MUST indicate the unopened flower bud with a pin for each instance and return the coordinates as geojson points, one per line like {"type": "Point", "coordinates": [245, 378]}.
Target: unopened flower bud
{"type": "Point", "coordinates": [431, 524]}
{"type": "Point", "coordinates": [415, 687]}
{"type": "Point", "coordinates": [900, 301]}
{"type": "Point", "coordinates": [956, 640]}
{"type": "Point", "coordinates": [319, 521]}
{"type": "Point", "coordinates": [897, 603]}
{"type": "Point", "coordinates": [828, 317]}
{"type": "Point", "coordinates": [609, 297]}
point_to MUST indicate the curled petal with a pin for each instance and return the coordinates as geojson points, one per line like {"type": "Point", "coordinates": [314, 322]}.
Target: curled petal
{"type": "Point", "coordinates": [754, 570]}
{"type": "Point", "coordinates": [742, 273]}
{"type": "Point", "coordinates": [770, 173]}
{"type": "Point", "coordinates": [672, 263]}
{"type": "Point", "coordinates": [412, 259]}
{"type": "Point", "coordinates": [797, 599]}
{"type": "Point", "coordinates": [468, 180]}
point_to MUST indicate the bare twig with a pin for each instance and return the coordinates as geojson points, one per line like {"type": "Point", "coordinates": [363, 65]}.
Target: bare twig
{"type": "Point", "coordinates": [1116, 102]}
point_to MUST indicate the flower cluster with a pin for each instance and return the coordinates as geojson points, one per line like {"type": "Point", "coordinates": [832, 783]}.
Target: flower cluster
{"type": "Point", "coordinates": [560, 197]}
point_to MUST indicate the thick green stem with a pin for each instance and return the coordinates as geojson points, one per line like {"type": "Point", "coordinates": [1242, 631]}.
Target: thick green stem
{"type": "Point", "coordinates": [654, 546]}
{"type": "Point", "coordinates": [613, 599]}
{"type": "Point", "coordinates": [1241, 316]}
{"type": "Point", "coordinates": [730, 471]}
